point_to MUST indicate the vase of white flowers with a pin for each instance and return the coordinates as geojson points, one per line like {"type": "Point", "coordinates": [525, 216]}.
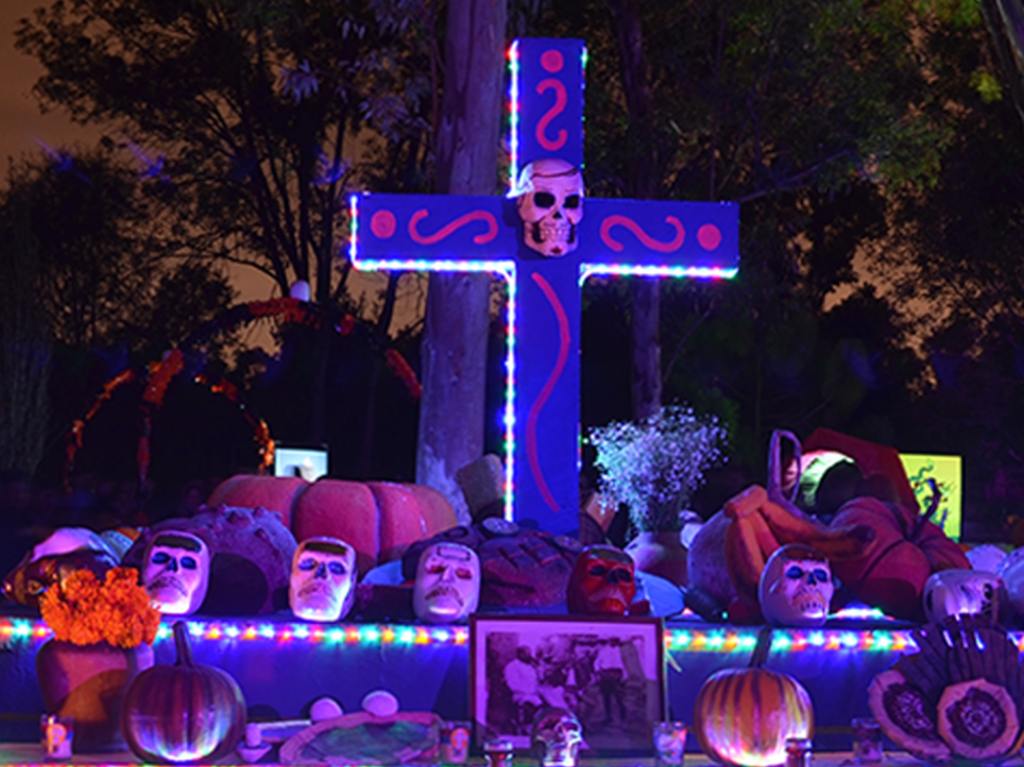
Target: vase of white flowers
{"type": "Point", "coordinates": [654, 467]}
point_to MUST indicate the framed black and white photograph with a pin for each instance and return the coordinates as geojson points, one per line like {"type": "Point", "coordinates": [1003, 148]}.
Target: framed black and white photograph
{"type": "Point", "coordinates": [609, 672]}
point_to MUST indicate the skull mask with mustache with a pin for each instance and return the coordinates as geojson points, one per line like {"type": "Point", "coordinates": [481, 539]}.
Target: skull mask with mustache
{"type": "Point", "coordinates": [447, 587]}
{"type": "Point", "coordinates": [177, 572]}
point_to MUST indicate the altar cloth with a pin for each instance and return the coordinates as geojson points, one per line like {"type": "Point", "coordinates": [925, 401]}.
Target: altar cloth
{"type": "Point", "coordinates": [283, 666]}
{"type": "Point", "coordinates": [26, 755]}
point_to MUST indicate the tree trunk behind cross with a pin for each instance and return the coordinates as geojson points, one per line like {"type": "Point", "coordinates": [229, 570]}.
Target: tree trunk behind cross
{"type": "Point", "coordinates": [645, 382]}
{"type": "Point", "coordinates": [454, 351]}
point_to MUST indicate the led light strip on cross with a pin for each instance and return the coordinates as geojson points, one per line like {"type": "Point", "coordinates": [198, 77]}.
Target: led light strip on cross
{"type": "Point", "coordinates": [713, 640]}
{"type": "Point", "coordinates": [503, 268]}
{"type": "Point", "coordinates": [678, 272]}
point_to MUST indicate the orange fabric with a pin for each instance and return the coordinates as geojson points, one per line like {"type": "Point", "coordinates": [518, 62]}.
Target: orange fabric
{"type": "Point", "coordinates": [893, 568]}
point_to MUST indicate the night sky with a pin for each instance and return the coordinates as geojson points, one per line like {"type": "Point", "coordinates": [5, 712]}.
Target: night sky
{"type": "Point", "coordinates": [20, 120]}
{"type": "Point", "coordinates": [22, 124]}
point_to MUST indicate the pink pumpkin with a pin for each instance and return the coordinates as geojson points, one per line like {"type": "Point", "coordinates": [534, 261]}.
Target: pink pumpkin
{"type": "Point", "coordinates": [379, 519]}
{"type": "Point", "coordinates": [277, 494]}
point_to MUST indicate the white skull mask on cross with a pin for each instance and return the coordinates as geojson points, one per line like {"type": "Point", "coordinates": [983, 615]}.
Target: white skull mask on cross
{"type": "Point", "coordinates": [323, 579]}
{"type": "Point", "coordinates": [550, 204]}
{"type": "Point", "coordinates": [796, 587]}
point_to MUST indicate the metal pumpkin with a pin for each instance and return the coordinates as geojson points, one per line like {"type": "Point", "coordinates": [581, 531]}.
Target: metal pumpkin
{"type": "Point", "coordinates": [183, 712]}
{"type": "Point", "coordinates": [743, 716]}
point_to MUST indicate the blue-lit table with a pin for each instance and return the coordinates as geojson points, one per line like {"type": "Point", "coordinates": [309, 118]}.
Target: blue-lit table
{"type": "Point", "coordinates": [282, 666]}
{"type": "Point", "coordinates": [24, 754]}
{"type": "Point", "coordinates": [31, 755]}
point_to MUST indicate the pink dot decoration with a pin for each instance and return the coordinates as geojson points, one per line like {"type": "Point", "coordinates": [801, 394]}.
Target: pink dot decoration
{"type": "Point", "coordinates": [552, 61]}
{"type": "Point", "coordinates": [709, 237]}
{"type": "Point", "coordinates": [383, 224]}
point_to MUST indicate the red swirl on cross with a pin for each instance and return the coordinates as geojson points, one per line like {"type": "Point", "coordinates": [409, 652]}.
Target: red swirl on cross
{"type": "Point", "coordinates": [545, 393]}
{"type": "Point", "coordinates": [447, 230]}
{"type": "Point", "coordinates": [561, 99]}
{"type": "Point", "coordinates": [617, 219]}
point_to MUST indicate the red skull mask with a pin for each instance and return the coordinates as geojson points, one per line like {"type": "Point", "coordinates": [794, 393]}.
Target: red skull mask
{"type": "Point", "coordinates": [603, 582]}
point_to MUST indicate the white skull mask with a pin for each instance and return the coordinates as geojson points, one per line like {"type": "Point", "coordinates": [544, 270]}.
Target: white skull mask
{"type": "Point", "coordinates": [796, 587]}
{"type": "Point", "coordinates": [961, 592]}
{"type": "Point", "coordinates": [556, 737]}
{"type": "Point", "coordinates": [550, 204]}
{"type": "Point", "coordinates": [323, 579]}
{"type": "Point", "coordinates": [176, 572]}
{"type": "Point", "coordinates": [447, 587]}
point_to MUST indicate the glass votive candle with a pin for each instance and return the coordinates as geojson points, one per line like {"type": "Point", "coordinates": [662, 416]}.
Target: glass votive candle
{"type": "Point", "coordinates": [56, 734]}
{"type": "Point", "coordinates": [455, 738]}
{"type": "Point", "coordinates": [669, 742]}
{"type": "Point", "coordinates": [499, 752]}
{"type": "Point", "coordinates": [867, 741]}
{"type": "Point", "coordinates": [799, 752]}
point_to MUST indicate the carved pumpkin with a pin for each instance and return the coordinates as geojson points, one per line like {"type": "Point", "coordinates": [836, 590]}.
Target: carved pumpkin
{"type": "Point", "coordinates": [744, 716]}
{"type": "Point", "coordinates": [185, 712]}
{"type": "Point", "coordinates": [379, 519]}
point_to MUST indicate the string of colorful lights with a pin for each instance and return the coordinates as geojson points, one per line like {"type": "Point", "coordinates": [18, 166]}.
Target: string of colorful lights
{"type": "Point", "coordinates": [712, 640]}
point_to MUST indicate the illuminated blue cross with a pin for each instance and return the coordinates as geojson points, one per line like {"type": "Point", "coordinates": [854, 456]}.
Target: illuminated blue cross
{"type": "Point", "coordinates": [473, 234]}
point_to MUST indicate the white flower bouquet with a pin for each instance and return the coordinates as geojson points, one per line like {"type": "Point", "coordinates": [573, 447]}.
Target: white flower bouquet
{"type": "Point", "coordinates": [655, 466]}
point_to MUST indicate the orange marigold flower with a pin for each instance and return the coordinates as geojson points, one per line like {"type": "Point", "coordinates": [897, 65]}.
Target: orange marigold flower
{"type": "Point", "coordinates": [83, 611]}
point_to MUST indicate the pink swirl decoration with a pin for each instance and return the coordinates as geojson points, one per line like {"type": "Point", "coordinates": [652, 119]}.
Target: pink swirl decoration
{"type": "Point", "coordinates": [561, 99]}
{"type": "Point", "coordinates": [538, 404]}
{"type": "Point", "coordinates": [617, 219]}
{"type": "Point", "coordinates": [448, 229]}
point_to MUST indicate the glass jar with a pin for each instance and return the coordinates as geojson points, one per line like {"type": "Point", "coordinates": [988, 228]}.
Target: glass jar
{"type": "Point", "coordinates": [867, 741]}
{"type": "Point", "coordinates": [799, 752]}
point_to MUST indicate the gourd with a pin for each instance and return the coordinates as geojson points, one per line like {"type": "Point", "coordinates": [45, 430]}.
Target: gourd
{"type": "Point", "coordinates": [183, 712]}
{"type": "Point", "coordinates": [744, 716]}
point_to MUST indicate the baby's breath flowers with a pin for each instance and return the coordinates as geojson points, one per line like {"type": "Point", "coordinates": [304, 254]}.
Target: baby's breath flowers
{"type": "Point", "coordinates": [655, 466]}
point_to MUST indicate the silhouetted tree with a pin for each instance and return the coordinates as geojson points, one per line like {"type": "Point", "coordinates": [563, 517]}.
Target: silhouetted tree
{"type": "Point", "coordinates": [259, 114]}
{"type": "Point", "coordinates": [25, 345]}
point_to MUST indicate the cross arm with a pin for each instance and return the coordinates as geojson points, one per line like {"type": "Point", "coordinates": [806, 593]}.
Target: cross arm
{"type": "Point", "coordinates": [660, 238]}
{"type": "Point", "coordinates": [432, 232]}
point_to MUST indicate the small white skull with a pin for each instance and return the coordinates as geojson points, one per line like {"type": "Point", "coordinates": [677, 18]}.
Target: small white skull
{"type": "Point", "coordinates": [796, 587]}
{"type": "Point", "coordinates": [961, 592]}
{"type": "Point", "coordinates": [556, 737]}
{"type": "Point", "coordinates": [550, 204]}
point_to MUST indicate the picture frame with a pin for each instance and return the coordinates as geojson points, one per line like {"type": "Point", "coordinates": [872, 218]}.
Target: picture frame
{"type": "Point", "coordinates": [610, 672]}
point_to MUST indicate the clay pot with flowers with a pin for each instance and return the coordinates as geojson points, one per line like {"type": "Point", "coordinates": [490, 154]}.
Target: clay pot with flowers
{"type": "Point", "coordinates": [654, 467]}
{"type": "Point", "coordinates": [102, 636]}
